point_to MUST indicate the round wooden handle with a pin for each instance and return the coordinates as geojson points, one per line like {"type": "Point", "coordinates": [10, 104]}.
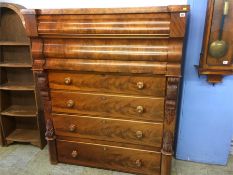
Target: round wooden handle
{"type": "Point", "coordinates": [67, 81]}
{"type": "Point", "coordinates": [139, 134]}
{"type": "Point", "coordinates": [70, 103]}
{"type": "Point", "coordinates": [140, 109]}
{"type": "Point", "coordinates": [72, 128]}
{"type": "Point", "coordinates": [140, 85]}
{"type": "Point", "coordinates": [74, 153]}
{"type": "Point", "coordinates": [138, 163]}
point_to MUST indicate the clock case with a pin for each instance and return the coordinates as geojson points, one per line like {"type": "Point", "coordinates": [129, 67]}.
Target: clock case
{"type": "Point", "coordinates": [217, 68]}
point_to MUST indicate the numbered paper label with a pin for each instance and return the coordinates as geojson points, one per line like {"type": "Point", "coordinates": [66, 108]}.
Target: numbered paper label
{"type": "Point", "coordinates": [182, 15]}
{"type": "Point", "coordinates": [225, 62]}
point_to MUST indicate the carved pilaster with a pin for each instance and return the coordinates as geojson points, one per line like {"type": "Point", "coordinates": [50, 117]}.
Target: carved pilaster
{"type": "Point", "coordinates": [1, 137]}
{"type": "Point", "coordinates": [170, 114]}
{"type": "Point", "coordinates": [43, 87]}
{"type": "Point", "coordinates": [172, 88]}
{"type": "Point", "coordinates": [51, 138]}
{"type": "Point", "coordinates": [169, 123]}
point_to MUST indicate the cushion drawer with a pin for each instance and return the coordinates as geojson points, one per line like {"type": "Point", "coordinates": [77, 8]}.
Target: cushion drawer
{"type": "Point", "coordinates": [131, 107]}
{"type": "Point", "coordinates": [109, 157]}
{"type": "Point", "coordinates": [126, 131]}
{"type": "Point", "coordinates": [138, 85]}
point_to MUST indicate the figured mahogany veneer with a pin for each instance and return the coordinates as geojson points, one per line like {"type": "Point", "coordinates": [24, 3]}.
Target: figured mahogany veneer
{"type": "Point", "coordinates": [110, 157]}
{"type": "Point", "coordinates": [109, 81]}
{"type": "Point", "coordinates": [127, 131]}
{"type": "Point", "coordinates": [125, 84]}
{"type": "Point", "coordinates": [117, 49]}
{"type": "Point", "coordinates": [131, 107]}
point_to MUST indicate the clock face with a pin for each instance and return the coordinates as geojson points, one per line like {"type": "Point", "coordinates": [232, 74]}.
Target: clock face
{"type": "Point", "coordinates": [220, 50]}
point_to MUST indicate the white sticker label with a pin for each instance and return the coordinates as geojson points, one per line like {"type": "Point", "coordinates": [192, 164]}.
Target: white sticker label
{"type": "Point", "coordinates": [182, 15]}
{"type": "Point", "coordinates": [225, 62]}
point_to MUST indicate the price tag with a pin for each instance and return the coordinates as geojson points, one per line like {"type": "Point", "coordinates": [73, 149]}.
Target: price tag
{"type": "Point", "coordinates": [182, 15]}
{"type": "Point", "coordinates": [225, 62]}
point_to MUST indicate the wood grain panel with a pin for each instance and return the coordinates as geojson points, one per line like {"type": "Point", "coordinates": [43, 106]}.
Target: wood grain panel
{"type": "Point", "coordinates": [142, 67]}
{"type": "Point", "coordinates": [108, 49]}
{"type": "Point", "coordinates": [178, 23]}
{"type": "Point", "coordinates": [104, 142]}
{"type": "Point", "coordinates": [126, 10]}
{"type": "Point", "coordinates": [137, 108]}
{"type": "Point", "coordinates": [139, 85]}
{"type": "Point", "coordinates": [125, 131]}
{"type": "Point", "coordinates": [133, 24]}
{"type": "Point", "coordinates": [109, 157]}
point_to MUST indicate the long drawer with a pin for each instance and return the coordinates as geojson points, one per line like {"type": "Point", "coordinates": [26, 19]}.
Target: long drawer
{"type": "Point", "coordinates": [131, 107]}
{"type": "Point", "coordinates": [109, 157]}
{"type": "Point", "coordinates": [116, 130]}
{"type": "Point", "coordinates": [138, 85]}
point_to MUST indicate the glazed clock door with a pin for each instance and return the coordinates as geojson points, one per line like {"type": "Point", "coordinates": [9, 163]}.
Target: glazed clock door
{"type": "Point", "coordinates": [220, 49]}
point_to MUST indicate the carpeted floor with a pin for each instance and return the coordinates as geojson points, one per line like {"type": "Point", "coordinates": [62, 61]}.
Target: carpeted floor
{"type": "Point", "coordinates": [29, 160]}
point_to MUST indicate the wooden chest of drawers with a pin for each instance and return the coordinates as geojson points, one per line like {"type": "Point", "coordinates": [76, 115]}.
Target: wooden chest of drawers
{"type": "Point", "coordinates": [109, 82]}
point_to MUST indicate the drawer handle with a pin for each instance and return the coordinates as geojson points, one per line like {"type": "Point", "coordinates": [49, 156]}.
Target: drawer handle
{"type": "Point", "coordinates": [138, 163]}
{"type": "Point", "coordinates": [74, 154]}
{"type": "Point", "coordinates": [140, 85]}
{"type": "Point", "coordinates": [72, 128]}
{"type": "Point", "coordinates": [139, 134]}
{"type": "Point", "coordinates": [70, 103]}
{"type": "Point", "coordinates": [67, 81]}
{"type": "Point", "coordinates": [140, 109]}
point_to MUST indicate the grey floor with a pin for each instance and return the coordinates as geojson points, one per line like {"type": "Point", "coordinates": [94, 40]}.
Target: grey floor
{"type": "Point", "coordinates": [29, 160]}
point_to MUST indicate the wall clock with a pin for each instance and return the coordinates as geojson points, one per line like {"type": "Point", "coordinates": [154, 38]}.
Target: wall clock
{"type": "Point", "coordinates": [217, 52]}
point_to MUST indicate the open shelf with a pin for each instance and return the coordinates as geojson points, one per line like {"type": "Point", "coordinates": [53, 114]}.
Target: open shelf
{"type": "Point", "coordinates": [15, 54]}
{"type": "Point", "coordinates": [13, 43]}
{"type": "Point", "coordinates": [20, 119]}
{"type": "Point", "coordinates": [18, 103]}
{"type": "Point", "coordinates": [20, 111]}
{"type": "Point", "coordinates": [16, 65]}
{"type": "Point", "coordinates": [16, 86]}
{"type": "Point", "coordinates": [24, 135]}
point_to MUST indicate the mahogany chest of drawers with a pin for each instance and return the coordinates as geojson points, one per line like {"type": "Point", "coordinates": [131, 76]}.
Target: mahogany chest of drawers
{"type": "Point", "coordinates": [109, 82]}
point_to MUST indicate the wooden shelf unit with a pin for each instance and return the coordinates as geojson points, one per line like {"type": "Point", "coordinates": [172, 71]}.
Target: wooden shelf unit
{"type": "Point", "coordinates": [13, 43]}
{"type": "Point", "coordinates": [24, 135]}
{"type": "Point", "coordinates": [18, 86]}
{"type": "Point", "coordinates": [20, 110]}
{"type": "Point", "coordinates": [15, 65]}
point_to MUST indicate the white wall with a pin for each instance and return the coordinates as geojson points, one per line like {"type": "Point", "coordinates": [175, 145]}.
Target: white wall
{"type": "Point", "coordinates": [36, 4]}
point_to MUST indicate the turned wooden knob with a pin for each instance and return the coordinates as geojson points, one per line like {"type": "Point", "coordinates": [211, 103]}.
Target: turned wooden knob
{"type": "Point", "coordinates": [72, 128]}
{"type": "Point", "coordinates": [140, 85]}
{"type": "Point", "coordinates": [70, 103]}
{"type": "Point", "coordinates": [74, 154]}
{"type": "Point", "coordinates": [138, 163]}
{"type": "Point", "coordinates": [139, 134]}
{"type": "Point", "coordinates": [67, 81]}
{"type": "Point", "coordinates": [140, 109]}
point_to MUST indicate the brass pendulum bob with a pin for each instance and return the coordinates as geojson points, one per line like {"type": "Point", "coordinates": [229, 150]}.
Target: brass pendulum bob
{"type": "Point", "coordinates": [219, 47]}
